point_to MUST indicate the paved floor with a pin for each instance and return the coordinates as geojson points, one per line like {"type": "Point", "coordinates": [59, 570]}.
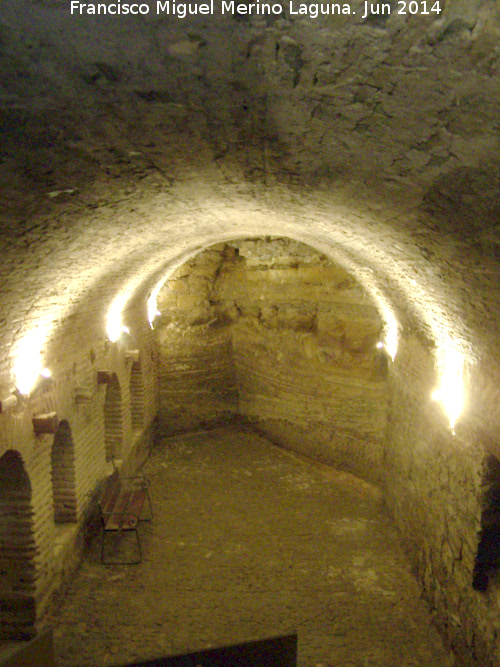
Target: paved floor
{"type": "Point", "coordinates": [247, 542]}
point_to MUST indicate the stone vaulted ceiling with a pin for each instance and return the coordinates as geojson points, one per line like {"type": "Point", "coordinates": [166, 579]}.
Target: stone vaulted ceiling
{"type": "Point", "coordinates": [128, 144]}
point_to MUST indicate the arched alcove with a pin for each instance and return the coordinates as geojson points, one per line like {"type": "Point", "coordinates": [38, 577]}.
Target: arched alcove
{"type": "Point", "coordinates": [113, 421]}
{"type": "Point", "coordinates": [17, 550]}
{"type": "Point", "coordinates": [487, 558]}
{"type": "Point", "coordinates": [137, 399]}
{"type": "Point", "coordinates": [63, 475]}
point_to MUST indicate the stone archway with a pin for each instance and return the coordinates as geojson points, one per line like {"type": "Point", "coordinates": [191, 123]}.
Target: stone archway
{"type": "Point", "coordinates": [17, 550]}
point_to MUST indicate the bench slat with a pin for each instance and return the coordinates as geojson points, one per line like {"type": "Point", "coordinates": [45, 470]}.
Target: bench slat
{"type": "Point", "coordinates": [136, 501]}
{"type": "Point", "coordinates": [121, 507]}
{"type": "Point", "coordinates": [121, 521]}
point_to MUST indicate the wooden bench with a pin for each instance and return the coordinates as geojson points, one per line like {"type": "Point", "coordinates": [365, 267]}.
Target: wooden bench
{"type": "Point", "coordinates": [121, 502]}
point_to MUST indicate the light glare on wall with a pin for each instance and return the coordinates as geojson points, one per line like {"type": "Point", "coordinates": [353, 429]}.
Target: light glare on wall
{"type": "Point", "coordinates": [114, 324]}
{"type": "Point", "coordinates": [114, 332]}
{"type": "Point", "coordinates": [391, 340]}
{"type": "Point", "coordinates": [153, 311]}
{"type": "Point", "coordinates": [450, 392]}
{"type": "Point", "coordinates": [390, 327]}
{"type": "Point", "coordinates": [113, 329]}
{"type": "Point", "coordinates": [28, 361]}
{"type": "Point", "coordinates": [152, 304]}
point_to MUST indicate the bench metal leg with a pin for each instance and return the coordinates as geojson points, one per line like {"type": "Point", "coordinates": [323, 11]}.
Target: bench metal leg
{"type": "Point", "coordinates": [150, 514]}
{"type": "Point", "coordinates": [126, 562]}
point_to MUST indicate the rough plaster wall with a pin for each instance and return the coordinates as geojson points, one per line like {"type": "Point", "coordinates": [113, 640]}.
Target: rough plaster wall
{"type": "Point", "coordinates": [308, 371]}
{"type": "Point", "coordinates": [271, 330]}
{"type": "Point", "coordinates": [434, 488]}
{"type": "Point", "coordinates": [197, 382]}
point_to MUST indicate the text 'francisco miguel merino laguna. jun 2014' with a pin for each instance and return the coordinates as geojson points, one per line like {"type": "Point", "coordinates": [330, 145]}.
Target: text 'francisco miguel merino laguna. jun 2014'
{"type": "Point", "coordinates": [290, 7]}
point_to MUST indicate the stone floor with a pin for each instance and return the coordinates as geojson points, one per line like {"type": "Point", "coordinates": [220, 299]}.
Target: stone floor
{"type": "Point", "coordinates": [248, 542]}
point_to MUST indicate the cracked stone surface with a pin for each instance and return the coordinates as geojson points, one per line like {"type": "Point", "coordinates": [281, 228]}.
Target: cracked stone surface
{"type": "Point", "coordinates": [247, 542]}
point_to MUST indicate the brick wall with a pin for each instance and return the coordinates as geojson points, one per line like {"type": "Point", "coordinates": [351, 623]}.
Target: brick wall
{"type": "Point", "coordinates": [383, 150]}
{"type": "Point", "coordinates": [61, 470]}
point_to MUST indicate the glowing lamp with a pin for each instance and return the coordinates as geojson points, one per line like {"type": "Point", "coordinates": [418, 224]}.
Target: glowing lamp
{"type": "Point", "coordinates": [152, 317]}
{"type": "Point", "coordinates": [450, 392]}
{"type": "Point", "coordinates": [28, 359]}
{"type": "Point", "coordinates": [44, 382]}
{"type": "Point", "coordinates": [116, 331]}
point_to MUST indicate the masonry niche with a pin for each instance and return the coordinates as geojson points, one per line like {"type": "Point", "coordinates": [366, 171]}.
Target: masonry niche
{"type": "Point", "coordinates": [271, 331]}
{"type": "Point", "coordinates": [137, 396]}
{"type": "Point", "coordinates": [17, 549]}
{"type": "Point", "coordinates": [113, 420]}
{"type": "Point", "coordinates": [63, 475]}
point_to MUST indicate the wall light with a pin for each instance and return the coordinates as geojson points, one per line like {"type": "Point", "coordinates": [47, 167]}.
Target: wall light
{"type": "Point", "coordinates": [115, 331]}
{"type": "Point", "coordinates": [450, 393]}
{"type": "Point", "coordinates": [391, 332]}
{"type": "Point", "coordinates": [114, 324]}
{"type": "Point", "coordinates": [28, 359]}
{"type": "Point", "coordinates": [152, 304]}
{"type": "Point", "coordinates": [390, 324]}
{"type": "Point", "coordinates": [44, 382]}
{"type": "Point", "coordinates": [153, 311]}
